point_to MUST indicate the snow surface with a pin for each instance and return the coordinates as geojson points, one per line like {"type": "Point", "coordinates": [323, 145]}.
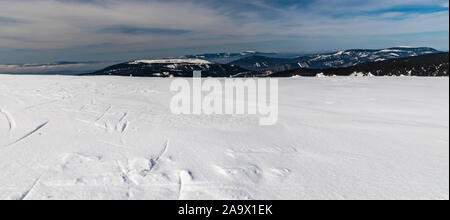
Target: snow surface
{"type": "Point", "coordinates": [171, 61]}
{"type": "Point", "coordinates": [390, 51]}
{"type": "Point", "coordinates": [104, 137]}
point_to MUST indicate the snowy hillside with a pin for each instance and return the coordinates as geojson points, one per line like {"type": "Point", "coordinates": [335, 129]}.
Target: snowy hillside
{"type": "Point", "coordinates": [173, 61]}
{"type": "Point", "coordinates": [172, 68]}
{"type": "Point", "coordinates": [106, 137]}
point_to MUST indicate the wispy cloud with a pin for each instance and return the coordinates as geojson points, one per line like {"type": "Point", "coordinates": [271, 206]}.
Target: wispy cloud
{"type": "Point", "coordinates": [123, 29]}
{"type": "Point", "coordinates": [7, 20]}
{"type": "Point", "coordinates": [157, 25]}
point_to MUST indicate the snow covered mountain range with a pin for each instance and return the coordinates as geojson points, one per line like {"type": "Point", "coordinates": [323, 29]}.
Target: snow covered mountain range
{"type": "Point", "coordinates": [331, 60]}
{"type": "Point", "coordinates": [253, 64]}
{"type": "Point", "coordinates": [436, 64]}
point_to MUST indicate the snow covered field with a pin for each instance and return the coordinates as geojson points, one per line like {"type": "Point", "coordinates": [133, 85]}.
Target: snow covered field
{"type": "Point", "coordinates": [103, 137]}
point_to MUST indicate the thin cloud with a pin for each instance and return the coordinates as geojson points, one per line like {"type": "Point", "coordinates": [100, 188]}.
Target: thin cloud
{"type": "Point", "coordinates": [7, 20]}
{"type": "Point", "coordinates": [158, 25]}
{"type": "Point", "coordinates": [131, 30]}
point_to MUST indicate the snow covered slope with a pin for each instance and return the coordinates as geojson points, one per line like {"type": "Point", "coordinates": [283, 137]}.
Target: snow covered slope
{"type": "Point", "coordinates": [173, 61]}
{"type": "Point", "coordinates": [106, 137]}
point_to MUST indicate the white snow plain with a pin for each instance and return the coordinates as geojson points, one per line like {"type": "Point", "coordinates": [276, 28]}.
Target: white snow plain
{"type": "Point", "coordinates": [105, 137]}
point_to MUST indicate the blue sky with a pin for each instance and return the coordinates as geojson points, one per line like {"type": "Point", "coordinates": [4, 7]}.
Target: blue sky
{"type": "Point", "coordinates": [106, 30]}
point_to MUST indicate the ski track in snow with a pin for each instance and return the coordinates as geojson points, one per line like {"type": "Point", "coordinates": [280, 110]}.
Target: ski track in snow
{"type": "Point", "coordinates": [40, 104]}
{"type": "Point", "coordinates": [185, 177]}
{"type": "Point", "coordinates": [122, 124]}
{"type": "Point", "coordinates": [103, 114]}
{"type": "Point", "coordinates": [124, 127]}
{"type": "Point", "coordinates": [125, 115]}
{"type": "Point", "coordinates": [29, 134]}
{"type": "Point", "coordinates": [29, 190]}
{"type": "Point", "coordinates": [162, 153]}
{"type": "Point", "coordinates": [11, 121]}
{"type": "Point", "coordinates": [154, 162]}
